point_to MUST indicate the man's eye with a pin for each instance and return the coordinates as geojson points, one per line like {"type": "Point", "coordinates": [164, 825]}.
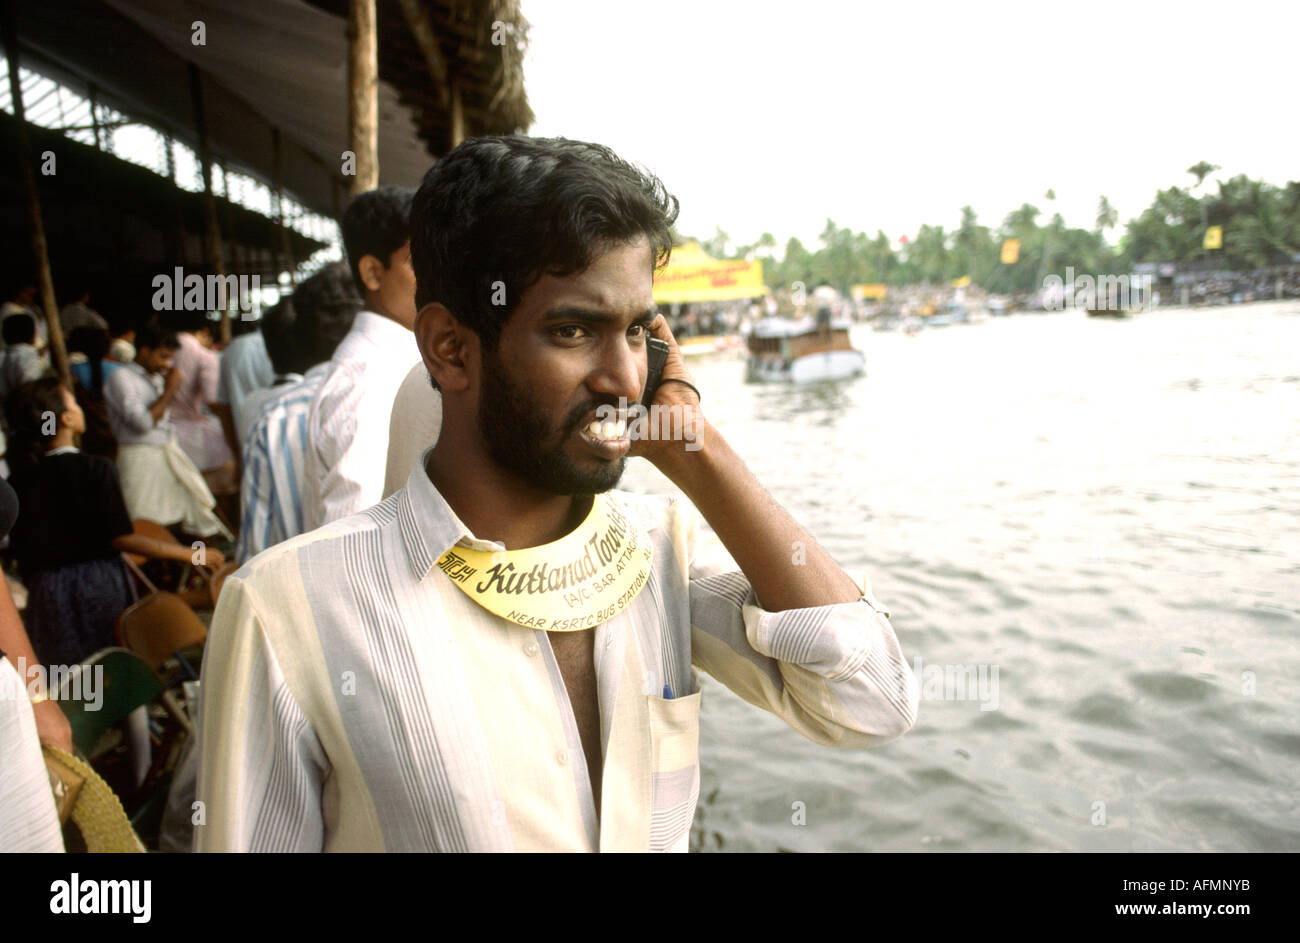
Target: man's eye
{"type": "Point", "coordinates": [569, 331]}
{"type": "Point", "coordinates": [637, 330]}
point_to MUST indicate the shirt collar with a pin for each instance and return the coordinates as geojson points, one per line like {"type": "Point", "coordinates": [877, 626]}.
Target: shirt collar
{"type": "Point", "coordinates": [428, 525]}
{"type": "Point", "coordinates": [383, 332]}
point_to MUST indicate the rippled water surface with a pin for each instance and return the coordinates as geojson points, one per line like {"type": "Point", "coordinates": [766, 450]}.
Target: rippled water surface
{"type": "Point", "coordinates": [1106, 512]}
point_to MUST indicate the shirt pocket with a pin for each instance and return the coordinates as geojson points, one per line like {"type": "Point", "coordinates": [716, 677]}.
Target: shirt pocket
{"type": "Point", "coordinates": [675, 769]}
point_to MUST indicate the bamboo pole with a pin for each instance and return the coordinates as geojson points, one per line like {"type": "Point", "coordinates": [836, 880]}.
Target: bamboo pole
{"type": "Point", "coordinates": [213, 240]}
{"type": "Point", "coordinates": [58, 353]}
{"type": "Point", "coordinates": [457, 116]}
{"type": "Point", "coordinates": [363, 94]}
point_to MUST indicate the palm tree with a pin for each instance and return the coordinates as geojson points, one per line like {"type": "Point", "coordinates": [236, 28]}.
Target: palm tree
{"type": "Point", "coordinates": [1106, 215]}
{"type": "Point", "coordinates": [1200, 170]}
{"type": "Point", "coordinates": [1050, 195]}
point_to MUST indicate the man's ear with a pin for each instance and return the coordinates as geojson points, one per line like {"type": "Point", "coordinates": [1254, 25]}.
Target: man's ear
{"type": "Point", "coordinates": [371, 270]}
{"type": "Point", "coordinates": [449, 349]}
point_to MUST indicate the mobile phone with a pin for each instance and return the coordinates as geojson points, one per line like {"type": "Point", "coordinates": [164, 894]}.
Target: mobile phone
{"type": "Point", "coordinates": [656, 357]}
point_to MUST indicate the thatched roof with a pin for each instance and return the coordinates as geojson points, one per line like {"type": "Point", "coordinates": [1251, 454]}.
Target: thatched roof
{"type": "Point", "coordinates": [483, 61]}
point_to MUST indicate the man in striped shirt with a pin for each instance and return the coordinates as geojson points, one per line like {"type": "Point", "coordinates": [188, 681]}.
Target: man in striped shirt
{"type": "Point", "coordinates": [501, 655]}
{"type": "Point", "coordinates": [323, 308]}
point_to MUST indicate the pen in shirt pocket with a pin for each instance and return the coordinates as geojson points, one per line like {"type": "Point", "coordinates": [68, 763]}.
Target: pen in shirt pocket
{"type": "Point", "coordinates": [668, 693]}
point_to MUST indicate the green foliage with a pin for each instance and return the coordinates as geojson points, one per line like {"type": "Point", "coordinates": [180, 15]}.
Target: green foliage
{"type": "Point", "coordinates": [1261, 227]}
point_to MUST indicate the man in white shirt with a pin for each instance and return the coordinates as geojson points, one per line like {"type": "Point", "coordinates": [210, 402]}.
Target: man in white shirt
{"type": "Point", "coordinates": [347, 431]}
{"type": "Point", "coordinates": [159, 481]}
{"type": "Point", "coordinates": [20, 362]}
{"type": "Point", "coordinates": [500, 656]}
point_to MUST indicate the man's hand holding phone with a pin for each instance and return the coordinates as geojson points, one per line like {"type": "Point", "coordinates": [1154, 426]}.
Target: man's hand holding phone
{"type": "Point", "coordinates": [670, 420]}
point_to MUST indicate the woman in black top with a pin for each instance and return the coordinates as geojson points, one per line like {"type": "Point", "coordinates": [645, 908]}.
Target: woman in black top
{"type": "Point", "coordinates": [71, 526]}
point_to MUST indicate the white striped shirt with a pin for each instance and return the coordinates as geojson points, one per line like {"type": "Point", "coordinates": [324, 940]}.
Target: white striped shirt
{"type": "Point", "coordinates": [28, 818]}
{"type": "Point", "coordinates": [251, 406]}
{"type": "Point", "coordinates": [347, 432]}
{"type": "Point", "coordinates": [355, 700]}
{"type": "Point", "coordinates": [275, 457]}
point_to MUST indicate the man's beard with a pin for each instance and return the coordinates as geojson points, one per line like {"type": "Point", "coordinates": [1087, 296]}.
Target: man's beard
{"type": "Point", "coordinates": [516, 436]}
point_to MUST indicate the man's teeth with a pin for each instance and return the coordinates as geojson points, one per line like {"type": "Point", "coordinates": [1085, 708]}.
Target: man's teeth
{"type": "Point", "coordinates": [608, 431]}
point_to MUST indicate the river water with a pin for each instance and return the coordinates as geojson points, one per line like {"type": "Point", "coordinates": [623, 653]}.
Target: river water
{"type": "Point", "coordinates": [1104, 517]}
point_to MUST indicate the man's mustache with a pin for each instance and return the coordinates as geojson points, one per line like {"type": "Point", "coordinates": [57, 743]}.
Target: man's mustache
{"type": "Point", "coordinates": [578, 416]}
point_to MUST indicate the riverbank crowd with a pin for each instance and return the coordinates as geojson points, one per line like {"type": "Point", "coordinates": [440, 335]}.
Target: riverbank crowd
{"type": "Point", "coordinates": [168, 462]}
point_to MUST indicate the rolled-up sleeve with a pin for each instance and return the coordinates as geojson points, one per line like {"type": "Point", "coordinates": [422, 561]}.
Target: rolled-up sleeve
{"type": "Point", "coordinates": [262, 768]}
{"type": "Point", "coordinates": [835, 673]}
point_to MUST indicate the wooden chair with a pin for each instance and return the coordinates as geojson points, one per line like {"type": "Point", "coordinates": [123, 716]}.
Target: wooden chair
{"type": "Point", "coordinates": [135, 561]}
{"type": "Point", "coordinates": [160, 628]}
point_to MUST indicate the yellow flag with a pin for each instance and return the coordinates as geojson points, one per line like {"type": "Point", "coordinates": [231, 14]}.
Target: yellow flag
{"type": "Point", "coordinates": [961, 282]}
{"type": "Point", "coordinates": [1010, 251]}
{"type": "Point", "coordinates": [875, 291]}
{"type": "Point", "coordinates": [1214, 237]}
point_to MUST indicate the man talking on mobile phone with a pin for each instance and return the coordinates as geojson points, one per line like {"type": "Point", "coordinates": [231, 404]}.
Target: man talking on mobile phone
{"type": "Point", "coordinates": [500, 656]}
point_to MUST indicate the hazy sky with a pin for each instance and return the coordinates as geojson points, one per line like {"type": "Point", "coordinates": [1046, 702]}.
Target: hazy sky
{"type": "Point", "coordinates": [774, 116]}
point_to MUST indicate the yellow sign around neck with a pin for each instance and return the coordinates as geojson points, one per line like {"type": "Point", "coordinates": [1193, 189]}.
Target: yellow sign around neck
{"type": "Point", "coordinates": [577, 582]}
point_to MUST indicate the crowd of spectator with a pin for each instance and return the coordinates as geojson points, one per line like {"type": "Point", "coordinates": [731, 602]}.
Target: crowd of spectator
{"type": "Point", "coordinates": [236, 449]}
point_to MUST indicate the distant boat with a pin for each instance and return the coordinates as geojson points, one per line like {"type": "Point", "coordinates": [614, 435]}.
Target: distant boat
{"type": "Point", "coordinates": [786, 351]}
{"type": "Point", "coordinates": [710, 345]}
{"type": "Point", "coordinates": [1100, 308]}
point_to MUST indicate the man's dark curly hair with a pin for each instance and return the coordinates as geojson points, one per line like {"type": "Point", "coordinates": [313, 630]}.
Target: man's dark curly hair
{"type": "Point", "coordinates": [378, 223]}
{"type": "Point", "coordinates": [326, 305]}
{"type": "Point", "coordinates": [512, 209]}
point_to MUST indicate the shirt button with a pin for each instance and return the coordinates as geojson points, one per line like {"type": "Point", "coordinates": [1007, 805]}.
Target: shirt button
{"type": "Point", "coordinates": [531, 648]}
{"type": "Point", "coordinates": [562, 757]}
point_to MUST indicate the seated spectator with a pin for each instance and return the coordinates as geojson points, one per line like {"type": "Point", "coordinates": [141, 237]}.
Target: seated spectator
{"type": "Point", "coordinates": [159, 481]}
{"type": "Point", "coordinates": [71, 526]}
{"type": "Point", "coordinates": [21, 362]}
{"type": "Point", "coordinates": [122, 329]}
{"type": "Point", "coordinates": [79, 313]}
{"type": "Point", "coordinates": [325, 307]}
{"type": "Point", "coordinates": [88, 357]}
{"type": "Point", "coordinates": [22, 300]}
